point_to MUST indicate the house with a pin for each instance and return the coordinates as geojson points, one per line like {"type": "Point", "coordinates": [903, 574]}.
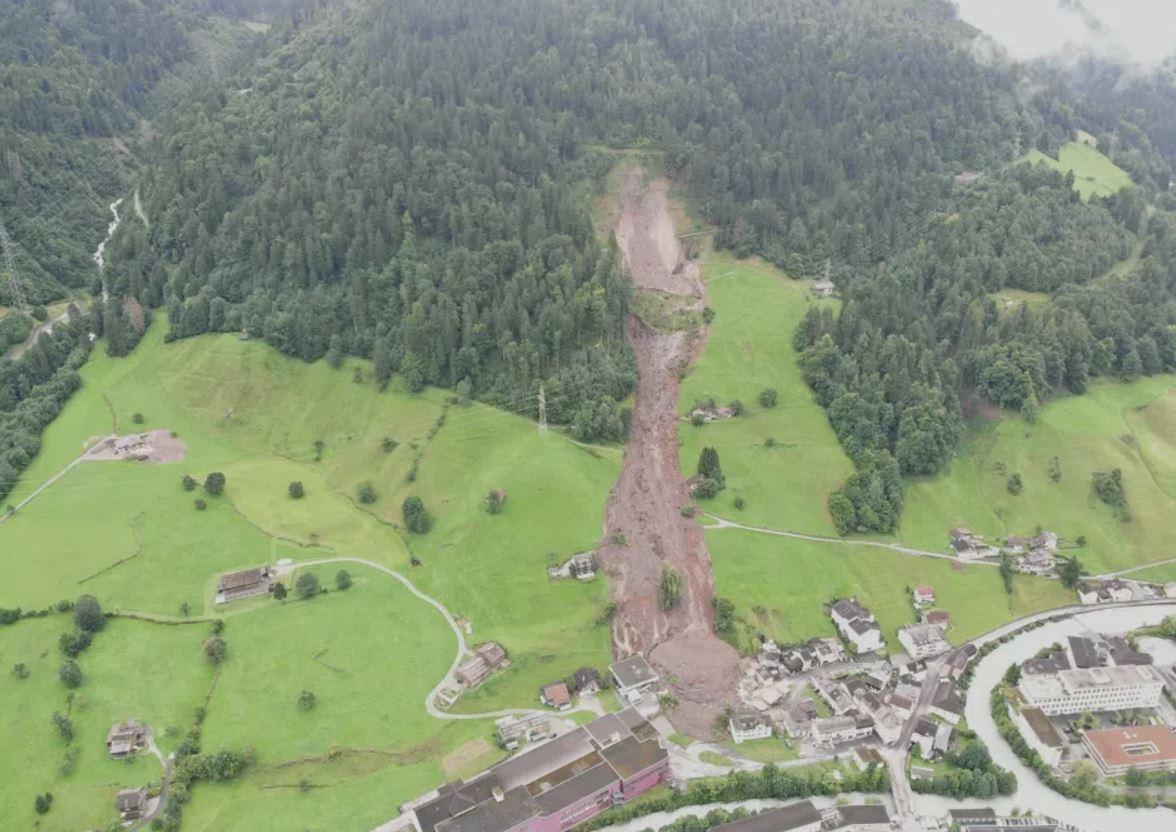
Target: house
{"type": "Point", "coordinates": [1093, 689]}
{"type": "Point", "coordinates": [888, 725]}
{"type": "Point", "coordinates": [957, 662]}
{"type": "Point", "coordinates": [1104, 592]}
{"type": "Point", "coordinates": [1051, 662]}
{"type": "Point", "coordinates": [246, 583]}
{"type": "Point", "coordinates": [900, 705]}
{"type": "Point", "coordinates": [924, 737]}
{"type": "Point", "coordinates": [1144, 748]}
{"type": "Point", "coordinates": [921, 641]}
{"type": "Point", "coordinates": [938, 618]}
{"type": "Point", "coordinates": [968, 546]}
{"type": "Point", "coordinates": [748, 726]}
{"type": "Point", "coordinates": [835, 730]}
{"type": "Point", "coordinates": [1037, 730]}
{"type": "Point", "coordinates": [923, 596]}
{"type": "Point", "coordinates": [823, 288]}
{"type": "Point", "coordinates": [125, 738]}
{"type": "Point", "coordinates": [553, 786]}
{"type": "Point", "coordinates": [798, 719]}
{"type": "Point", "coordinates": [946, 703]}
{"type": "Point", "coordinates": [487, 658]}
{"type": "Point", "coordinates": [942, 744]}
{"type": "Point", "coordinates": [131, 804]}
{"type": "Point", "coordinates": [857, 625]}
{"type": "Point", "coordinates": [633, 678]}
{"type": "Point", "coordinates": [556, 695]}
{"type": "Point", "coordinates": [586, 680]}
{"type": "Point", "coordinates": [865, 756]}
{"type": "Point", "coordinates": [513, 729]}
{"type": "Point", "coordinates": [801, 816]}
{"type": "Point", "coordinates": [862, 817]}
{"type": "Point", "coordinates": [967, 177]}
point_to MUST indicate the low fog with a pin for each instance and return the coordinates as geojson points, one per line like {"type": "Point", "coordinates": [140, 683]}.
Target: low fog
{"type": "Point", "coordinates": [1133, 31]}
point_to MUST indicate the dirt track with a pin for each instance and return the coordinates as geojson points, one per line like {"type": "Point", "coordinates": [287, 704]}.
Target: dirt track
{"type": "Point", "coordinates": [644, 506]}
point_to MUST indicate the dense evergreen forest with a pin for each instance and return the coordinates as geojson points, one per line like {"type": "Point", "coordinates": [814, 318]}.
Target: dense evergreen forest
{"type": "Point", "coordinates": [410, 182]}
{"type": "Point", "coordinates": [76, 78]}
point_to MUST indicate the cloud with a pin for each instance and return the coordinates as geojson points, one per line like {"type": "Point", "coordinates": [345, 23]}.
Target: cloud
{"type": "Point", "coordinates": [1132, 31]}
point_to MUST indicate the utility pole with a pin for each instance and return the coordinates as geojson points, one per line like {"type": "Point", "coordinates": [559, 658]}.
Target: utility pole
{"type": "Point", "coordinates": [15, 290]}
{"type": "Point", "coordinates": [542, 412]}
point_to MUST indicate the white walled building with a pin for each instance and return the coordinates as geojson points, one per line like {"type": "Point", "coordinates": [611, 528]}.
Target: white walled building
{"type": "Point", "coordinates": [857, 625]}
{"type": "Point", "coordinates": [921, 641]}
{"type": "Point", "coordinates": [1093, 689]}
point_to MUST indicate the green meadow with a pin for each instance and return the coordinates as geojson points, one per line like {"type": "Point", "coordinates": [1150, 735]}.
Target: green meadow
{"type": "Point", "coordinates": [1093, 172]}
{"type": "Point", "coordinates": [783, 461]}
{"type": "Point", "coordinates": [129, 534]}
{"type": "Point", "coordinates": [1128, 426]}
{"type": "Point", "coordinates": [780, 586]}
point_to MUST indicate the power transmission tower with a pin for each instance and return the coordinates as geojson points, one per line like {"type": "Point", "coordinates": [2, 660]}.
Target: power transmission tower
{"type": "Point", "coordinates": [542, 412]}
{"type": "Point", "coordinates": [15, 289]}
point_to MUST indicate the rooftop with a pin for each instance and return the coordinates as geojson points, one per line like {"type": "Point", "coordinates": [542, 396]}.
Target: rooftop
{"type": "Point", "coordinates": [1084, 653]}
{"type": "Point", "coordinates": [783, 819]}
{"type": "Point", "coordinates": [864, 813]}
{"type": "Point", "coordinates": [1043, 728]}
{"type": "Point", "coordinates": [1062, 683]}
{"type": "Point", "coordinates": [633, 671]}
{"type": "Point", "coordinates": [924, 634]}
{"type": "Point", "coordinates": [237, 580]}
{"type": "Point", "coordinates": [1143, 745]}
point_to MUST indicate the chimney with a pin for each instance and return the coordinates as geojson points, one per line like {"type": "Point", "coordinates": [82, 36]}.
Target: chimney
{"type": "Point", "coordinates": [497, 792]}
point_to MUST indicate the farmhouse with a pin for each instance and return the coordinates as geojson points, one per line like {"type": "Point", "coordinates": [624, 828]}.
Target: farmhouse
{"type": "Point", "coordinates": [234, 586]}
{"type": "Point", "coordinates": [586, 680]}
{"type": "Point", "coordinates": [823, 288]}
{"type": "Point", "coordinates": [633, 678]}
{"type": "Point", "coordinates": [968, 546]}
{"type": "Point", "coordinates": [134, 447]}
{"type": "Point", "coordinates": [487, 658]}
{"type": "Point", "coordinates": [1095, 689]}
{"type": "Point", "coordinates": [857, 625]}
{"type": "Point", "coordinates": [553, 786]}
{"type": "Point", "coordinates": [748, 726]}
{"type": "Point", "coordinates": [125, 738]}
{"type": "Point", "coordinates": [921, 641]}
{"type": "Point", "coordinates": [1146, 748]}
{"type": "Point", "coordinates": [556, 695]}
{"type": "Point", "coordinates": [801, 816]}
{"type": "Point", "coordinates": [131, 803]}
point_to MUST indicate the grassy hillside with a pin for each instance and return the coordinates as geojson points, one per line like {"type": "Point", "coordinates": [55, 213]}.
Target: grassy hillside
{"type": "Point", "coordinates": [780, 586]}
{"type": "Point", "coordinates": [1115, 425]}
{"type": "Point", "coordinates": [1093, 172]}
{"type": "Point", "coordinates": [129, 534]}
{"type": "Point", "coordinates": [757, 308]}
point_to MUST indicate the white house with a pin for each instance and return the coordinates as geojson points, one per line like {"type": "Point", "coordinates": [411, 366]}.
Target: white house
{"type": "Point", "coordinates": [748, 726]}
{"type": "Point", "coordinates": [1039, 733]}
{"type": "Point", "coordinates": [921, 641]}
{"type": "Point", "coordinates": [857, 625]}
{"type": "Point", "coordinates": [923, 596]}
{"type": "Point", "coordinates": [634, 678]}
{"type": "Point", "coordinates": [835, 730]}
{"type": "Point", "coordinates": [1093, 689]}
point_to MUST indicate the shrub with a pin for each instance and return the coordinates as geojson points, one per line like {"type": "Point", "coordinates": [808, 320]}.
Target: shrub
{"type": "Point", "coordinates": [1014, 484]}
{"type": "Point", "coordinates": [365, 493]}
{"type": "Point", "coordinates": [737, 408]}
{"type": "Point", "coordinates": [669, 587]}
{"type": "Point", "coordinates": [307, 585]}
{"type": "Point", "coordinates": [43, 802]}
{"type": "Point", "coordinates": [20, 670]}
{"type": "Point", "coordinates": [70, 674]}
{"type": "Point", "coordinates": [216, 649]}
{"type": "Point", "coordinates": [306, 700]}
{"type": "Point", "coordinates": [706, 488]}
{"type": "Point", "coordinates": [1108, 487]}
{"type": "Point", "coordinates": [200, 504]}
{"type": "Point", "coordinates": [137, 418]}
{"type": "Point", "coordinates": [739, 503]}
{"type": "Point", "coordinates": [296, 490]}
{"type": "Point", "coordinates": [709, 467]}
{"type": "Point", "coordinates": [388, 444]}
{"type": "Point", "coordinates": [87, 614]}
{"type": "Point", "coordinates": [214, 484]}
{"type": "Point", "coordinates": [416, 516]}
{"type": "Point", "coordinates": [768, 397]}
{"type": "Point", "coordinates": [189, 482]}
{"type": "Point", "coordinates": [279, 590]}
{"type": "Point", "coordinates": [494, 500]}
{"type": "Point", "coordinates": [708, 314]}
{"type": "Point", "coordinates": [342, 579]}
{"type": "Point", "coordinates": [72, 644]}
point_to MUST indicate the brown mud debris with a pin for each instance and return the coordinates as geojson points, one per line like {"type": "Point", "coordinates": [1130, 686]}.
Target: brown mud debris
{"type": "Point", "coordinates": [644, 528]}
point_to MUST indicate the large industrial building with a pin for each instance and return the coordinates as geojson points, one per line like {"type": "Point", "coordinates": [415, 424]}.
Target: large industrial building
{"type": "Point", "coordinates": [1093, 689]}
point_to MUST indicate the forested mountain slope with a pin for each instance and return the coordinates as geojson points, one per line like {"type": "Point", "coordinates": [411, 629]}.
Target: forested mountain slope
{"type": "Point", "coordinates": [75, 79]}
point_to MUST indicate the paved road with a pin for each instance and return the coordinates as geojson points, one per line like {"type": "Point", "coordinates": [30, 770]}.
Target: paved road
{"type": "Point", "coordinates": [723, 523]}
{"type": "Point", "coordinates": [1140, 568]}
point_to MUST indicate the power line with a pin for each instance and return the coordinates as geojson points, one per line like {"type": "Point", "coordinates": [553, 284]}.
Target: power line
{"type": "Point", "coordinates": [15, 289]}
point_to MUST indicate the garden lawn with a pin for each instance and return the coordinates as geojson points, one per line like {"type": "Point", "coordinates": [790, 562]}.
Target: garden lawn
{"type": "Point", "coordinates": [1114, 425]}
{"type": "Point", "coordinates": [1093, 172]}
{"type": "Point", "coordinates": [780, 586]}
{"type": "Point", "coordinates": [151, 672]}
{"type": "Point", "coordinates": [757, 309]}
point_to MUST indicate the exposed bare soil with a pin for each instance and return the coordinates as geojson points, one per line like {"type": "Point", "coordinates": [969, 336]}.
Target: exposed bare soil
{"type": "Point", "coordinates": [644, 528]}
{"type": "Point", "coordinates": [157, 446]}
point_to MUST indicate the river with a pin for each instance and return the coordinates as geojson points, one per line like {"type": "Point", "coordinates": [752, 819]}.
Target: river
{"type": "Point", "coordinates": [100, 252]}
{"type": "Point", "coordinates": [1031, 793]}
